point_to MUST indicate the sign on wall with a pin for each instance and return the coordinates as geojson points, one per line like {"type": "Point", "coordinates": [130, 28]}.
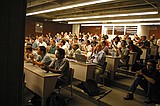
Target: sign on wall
{"type": "Point", "coordinates": [39, 27]}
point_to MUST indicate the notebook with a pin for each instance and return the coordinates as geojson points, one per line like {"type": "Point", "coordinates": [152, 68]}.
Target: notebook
{"type": "Point", "coordinates": [81, 58]}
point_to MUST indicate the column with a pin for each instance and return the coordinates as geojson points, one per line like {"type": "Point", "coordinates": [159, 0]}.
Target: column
{"type": "Point", "coordinates": [76, 29]}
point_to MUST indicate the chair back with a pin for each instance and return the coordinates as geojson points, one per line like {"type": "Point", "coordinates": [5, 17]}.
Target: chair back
{"type": "Point", "coordinates": [104, 67]}
{"type": "Point", "coordinates": [132, 58]}
{"type": "Point", "coordinates": [71, 73]}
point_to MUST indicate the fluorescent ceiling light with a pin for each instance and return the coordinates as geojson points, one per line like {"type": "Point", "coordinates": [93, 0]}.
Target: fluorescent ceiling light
{"type": "Point", "coordinates": [104, 16]}
{"type": "Point", "coordinates": [68, 7]}
{"type": "Point", "coordinates": [124, 20]}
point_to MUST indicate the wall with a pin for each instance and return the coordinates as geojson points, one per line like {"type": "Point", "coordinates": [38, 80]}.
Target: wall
{"type": "Point", "coordinates": [155, 30]}
{"type": "Point", "coordinates": [48, 26]}
{"type": "Point", "coordinates": [91, 29]}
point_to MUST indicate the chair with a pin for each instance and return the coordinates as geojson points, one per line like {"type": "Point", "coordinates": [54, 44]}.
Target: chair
{"type": "Point", "coordinates": [69, 83]}
{"type": "Point", "coordinates": [103, 73]}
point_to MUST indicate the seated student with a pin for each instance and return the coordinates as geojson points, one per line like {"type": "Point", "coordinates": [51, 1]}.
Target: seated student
{"type": "Point", "coordinates": [149, 79]}
{"type": "Point", "coordinates": [115, 43]}
{"type": "Point", "coordinates": [135, 48]}
{"type": "Point", "coordinates": [52, 48]}
{"type": "Point", "coordinates": [41, 42]}
{"type": "Point", "coordinates": [94, 42]}
{"type": "Point", "coordinates": [75, 50]}
{"type": "Point", "coordinates": [87, 46]}
{"type": "Point", "coordinates": [98, 57]}
{"type": "Point", "coordinates": [60, 65]}
{"type": "Point", "coordinates": [28, 53]}
{"type": "Point", "coordinates": [34, 43]}
{"type": "Point", "coordinates": [42, 59]}
{"type": "Point", "coordinates": [124, 53]}
{"type": "Point", "coordinates": [105, 48]}
{"type": "Point", "coordinates": [144, 43]}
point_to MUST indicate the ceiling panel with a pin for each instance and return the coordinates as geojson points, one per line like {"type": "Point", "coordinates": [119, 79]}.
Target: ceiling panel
{"type": "Point", "coordinates": [105, 8]}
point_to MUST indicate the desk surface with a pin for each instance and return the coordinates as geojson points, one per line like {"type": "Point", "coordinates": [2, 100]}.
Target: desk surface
{"type": "Point", "coordinates": [37, 70]}
{"type": "Point", "coordinates": [114, 57]}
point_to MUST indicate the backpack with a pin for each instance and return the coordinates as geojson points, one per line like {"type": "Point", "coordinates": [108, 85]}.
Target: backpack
{"type": "Point", "coordinates": [91, 88]}
{"type": "Point", "coordinates": [55, 99]}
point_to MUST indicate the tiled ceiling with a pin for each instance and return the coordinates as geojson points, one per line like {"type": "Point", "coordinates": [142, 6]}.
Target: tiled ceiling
{"type": "Point", "coordinates": [106, 8]}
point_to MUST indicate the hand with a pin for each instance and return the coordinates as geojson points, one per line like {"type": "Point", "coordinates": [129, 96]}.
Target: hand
{"type": "Point", "coordinates": [31, 56]}
{"type": "Point", "coordinates": [138, 73]}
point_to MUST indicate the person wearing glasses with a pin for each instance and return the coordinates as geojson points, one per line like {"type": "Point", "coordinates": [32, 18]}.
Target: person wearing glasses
{"type": "Point", "coordinates": [149, 79]}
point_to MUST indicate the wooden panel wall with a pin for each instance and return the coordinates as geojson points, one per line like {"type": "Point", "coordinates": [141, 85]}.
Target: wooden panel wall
{"type": "Point", "coordinates": [91, 29]}
{"type": "Point", "coordinates": [48, 26]}
{"type": "Point", "coordinates": [155, 30]}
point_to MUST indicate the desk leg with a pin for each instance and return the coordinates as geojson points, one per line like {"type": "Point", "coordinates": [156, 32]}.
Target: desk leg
{"type": "Point", "coordinates": [112, 75]}
{"type": "Point", "coordinates": [43, 103]}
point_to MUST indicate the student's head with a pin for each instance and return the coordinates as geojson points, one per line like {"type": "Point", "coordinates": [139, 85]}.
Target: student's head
{"type": "Point", "coordinates": [33, 39]}
{"type": "Point", "coordinates": [41, 50]}
{"type": "Point", "coordinates": [29, 49]}
{"type": "Point", "coordinates": [131, 43]}
{"type": "Point", "coordinates": [53, 42]}
{"type": "Point", "coordinates": [94, 39]}
{"type": "Point", "coordinates": [117, 39]}
{"type": "Point", "coordinates": [40, 39]}
{"type": "Point", "coordinates": [75, 40]}
{"type": "Point", "coordinates": [123, 43]}
{"type": "Point", "coordinates": [151, 64]}
{"type": "Point", "coordinates": [103, 43]}
{"type": "Point", "coordinates": [105, 37]}
{"type": "Point", "coordinates": [60, 54]}
{"type": "Point", "coordinates": [62, 42]}
{"type": "Point", "coordinates": [98, 47]}
{"type": "Point", "coordinates": [75, 46]}
{"type": "Point", "coordinates": [143, 38]}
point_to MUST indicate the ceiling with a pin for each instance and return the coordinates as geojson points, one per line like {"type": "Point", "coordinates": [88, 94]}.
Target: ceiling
{"type": "Point", "coordinates": [95, 11]}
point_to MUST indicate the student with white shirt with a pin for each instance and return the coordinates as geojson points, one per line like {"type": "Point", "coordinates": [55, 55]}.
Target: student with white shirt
{"type": "Point", "coordinates": [98, 57]}
{"type": "Point", "coordinates": [41, 42]}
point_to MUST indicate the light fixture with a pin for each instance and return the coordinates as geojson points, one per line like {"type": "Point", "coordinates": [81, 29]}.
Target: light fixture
{"type": "Point", "coordinates": [68, 7]}
{"type": "Point", "coordinates": [124, 20]}
{"type": "Point", "coordinates": [105, 16]}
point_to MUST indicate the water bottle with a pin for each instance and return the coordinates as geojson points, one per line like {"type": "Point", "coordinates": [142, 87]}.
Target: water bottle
{"type": "Point", "coordinates": [112, 53]}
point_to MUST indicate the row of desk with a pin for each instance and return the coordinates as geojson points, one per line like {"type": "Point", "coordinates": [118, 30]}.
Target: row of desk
{"type": "Point", "coordinates": [43, 84]}
{"type": "Point", "coordinates": [40, 82]}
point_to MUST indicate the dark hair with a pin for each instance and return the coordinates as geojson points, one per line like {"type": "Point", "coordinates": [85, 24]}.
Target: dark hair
{"type": "Point", "coordinates": [95, 38]}
{"type": "Point", "coordinates": [29, 47]}
{"type": "Point", "coordinates": [88, 42]}
{"type": "Point", "coordinates": [117, 38]}
{"type": "Point", "coordinates": [131, 42]}
{"type": "Point", "coordinates": [105, 37]}
{"type": "Point", "coordinates": [75, 38]}
{"type": "Point", "coordinates": [61, 52]}
{"type": "Point", "coordinates": [104, 42]}
{"type": "Point", "coordinates": [63, 41]}
{"type": "Point", "coordinates": [43, 49]}
{"type": "Point", "coordinates": [124, 42]}
{"type": "Point", "coordinates": [153, 62]}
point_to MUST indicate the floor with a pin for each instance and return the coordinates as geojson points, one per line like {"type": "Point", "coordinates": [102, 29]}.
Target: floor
{"type": "Point", "coordinates": [114, 98]}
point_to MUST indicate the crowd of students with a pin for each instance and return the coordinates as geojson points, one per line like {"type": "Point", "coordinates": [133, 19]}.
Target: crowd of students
{"type": "Point", "coordinates": [68, 44]}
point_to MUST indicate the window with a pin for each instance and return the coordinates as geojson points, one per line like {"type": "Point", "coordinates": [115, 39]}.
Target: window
{"type": "Point", "coordinates": [118, 30]}
{"type": "Point", "coordinates": [109, 30]}
{"type": "Point", "coordinates": [131, 30]}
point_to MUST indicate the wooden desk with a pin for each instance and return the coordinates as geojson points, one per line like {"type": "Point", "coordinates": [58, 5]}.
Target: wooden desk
{"type": "Point", "coordinates": [112, 64]}
{"type": "Point", "coordinates": [132, 58]}
{"type": "Point", "coordinates": [82, 71]}
{"type": "Point", "coordinates": [40, 82]}
{"type": "Point", "coordinates": [144, 54]}
{"type": "Point", "coordinates": [154, 50]}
